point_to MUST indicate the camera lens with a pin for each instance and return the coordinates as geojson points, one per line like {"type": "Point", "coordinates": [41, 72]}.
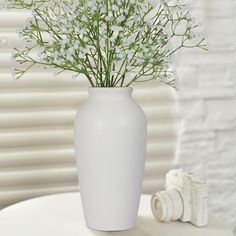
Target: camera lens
{"type": "Point", "coordinates": [167, 205]}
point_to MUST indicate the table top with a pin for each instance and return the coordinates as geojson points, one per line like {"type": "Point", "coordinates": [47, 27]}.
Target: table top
{"type": "Point", "coordinates": [61, 215]}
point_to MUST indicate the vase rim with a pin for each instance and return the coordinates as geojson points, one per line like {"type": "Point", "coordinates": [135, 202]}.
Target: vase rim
{"type": "Point", "coordinates": [102, 91]}
{"type": "Point", "coordinates": [106, 88]}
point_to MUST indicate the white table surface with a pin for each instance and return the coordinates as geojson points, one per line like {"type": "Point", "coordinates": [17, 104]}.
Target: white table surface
{"type": "Point", "coordinates": [61, 215]}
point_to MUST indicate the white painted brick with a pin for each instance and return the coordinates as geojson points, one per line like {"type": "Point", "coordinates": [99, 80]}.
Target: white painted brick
{"type": "Point", "coordinates": [220, 125]}
{"type": "Point", "coordinates": [206, 82]}
{"type": "Point", "coordinates": [207, 102]}
{"type": "Point", "coordinates": [194, 57]}
{"type": "Point", "coordinates": [225, 140]}
{"type": "Point", "coordinates": [198, 137]}
{"type": "Point", "coordinates": [192, 110]}
{"type": "Point", "coordinates": [217, 73]}
{"type": "Point", "coordinates": [220, 9]}
{"type": "Point", "coordinates": [220, 109]}
{"type": "Point", "coordinates": [217, 92]}
{"type": "Point", "coordinates": [222, 41]}
{"type": "Point", "coordinates": [185, 74]}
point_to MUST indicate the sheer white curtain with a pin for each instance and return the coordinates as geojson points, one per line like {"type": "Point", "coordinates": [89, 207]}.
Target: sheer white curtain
{"type": "Point", "coordinates": [207, 104]}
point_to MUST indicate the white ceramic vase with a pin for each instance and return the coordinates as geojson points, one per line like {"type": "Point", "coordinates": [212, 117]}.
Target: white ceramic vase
{"type": "Point", "coordinates": [110, 140]}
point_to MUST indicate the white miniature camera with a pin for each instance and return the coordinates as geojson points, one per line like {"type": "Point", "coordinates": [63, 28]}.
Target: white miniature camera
{"type": "Point", "coordinates": [185, 199]}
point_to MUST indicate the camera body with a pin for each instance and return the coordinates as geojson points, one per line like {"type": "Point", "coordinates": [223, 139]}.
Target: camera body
{"type": "Point", "coordinates": [194, 194]}
{"type": "Point", "coordinates": [185, 199]}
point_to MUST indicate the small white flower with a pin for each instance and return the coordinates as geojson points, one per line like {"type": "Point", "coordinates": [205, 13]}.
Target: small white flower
{"type": "Point", "coordinates": [116, 28]}
{"type": "Point", "coordinates": [107, 18]}
{"type": "Point", "coordinates": [71, 50]}
{"type": "Point", "coordinates": [117, 49]}
{"type": "Point", "coordinates": [189, 25]}
{"type": "Point", "coordinates": [85, 50]}
{"type": "Point", "coordinates": [39, 53]}
{"type": "Point", "coordinates": [69, 56]}
{"type": "Point", "coordinates": [70, 18]}
{"type": "Point", "coordinates": [161, 18]}
{"type": "Point", "coordinates": [120, 2]}
{"type": "Point", "coordinates": [43, 15]}
{"type": "Point", "coordinates": [153, 3]}
{"type": "Point", "coordinates": [103, 10]}
{"type": "Point", "coordinates": [77, 29]}
{"type": "Point", "coordinates": [62, 52]}
{"type": "Point", "coordinates": [65, 41]}
{"type": "Point", "coordinates": [85, 39]}
{"type": "Point", "coordinates": [82, 31]}
{"type": "Point", "coordinates": [131, 39]}
{"type": "Point", "coordinates": [46, 4]}
{"type": "Point", "coordinates": [43, 55]}
{"type": "Point", "coordinates": [50, 42]}
{"type": "Point", "coordinates": [81, 55]}
{"type": "Point", "coordinates": [130, 54]}
{"type": "Point", "coordinates": [56, 61]}
{"type": "Point", "coordinates": [121, 18]}
{"type": "Point", "coordinates": [113, 38]}
{"type": "Point", "coordinates": [103, 30]}
{"type": "Point", "coordinates": [64, 30]}
{"type": "Point", "coordinates": [120, 55]}
{"type": "Point", "coordinates": [159, 41]}
{"type": "Point", "coordinates": [129, 67]}
{"type": "Point", "coordinates": [154, 48]}
{"type": "Point", "coordinates": [152, 60]}
{"type": "Point", "coordinates": [137, 18]}
{"type": "Point", "coordinates": [170, 59]}
{"type": "Point", "coordinates": [75, 46]}
{"type": "Point", "coordinates": [114, 7]}
{"type": "Point", "coordinates": [124, 40]}
{"type": "Point", "coordinates": [142, 11]}
{"type": "Point", "coordinates": [126, 11]}
{"type": "Point", "coordinates": [145, 49]}
{"type": "Point", "coordinates": [91, 4]}
{"type": "Point", "coordinates": [191, 35]}
{"type": "Point", "coordinates": [83, 18]}
{"type": "Point", "coordinates": [150, 24]}
{"type": "Point", "coordinates": [139, 54]}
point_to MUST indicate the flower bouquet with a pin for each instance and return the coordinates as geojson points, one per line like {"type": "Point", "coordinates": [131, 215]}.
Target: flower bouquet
{"type": "Point", "coordinates": [112, 43]}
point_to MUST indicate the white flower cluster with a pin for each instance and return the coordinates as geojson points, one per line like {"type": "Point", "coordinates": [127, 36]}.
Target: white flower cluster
{"type": "Point", "coordinates": [111, 42]}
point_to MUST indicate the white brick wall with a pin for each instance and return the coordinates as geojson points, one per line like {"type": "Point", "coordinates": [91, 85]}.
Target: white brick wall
{"type": "Point", "coordinates": [207, 105]}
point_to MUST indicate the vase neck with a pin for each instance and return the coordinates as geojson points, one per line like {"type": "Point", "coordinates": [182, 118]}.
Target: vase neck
{"type": "Point", "coordinates": [114, 92]}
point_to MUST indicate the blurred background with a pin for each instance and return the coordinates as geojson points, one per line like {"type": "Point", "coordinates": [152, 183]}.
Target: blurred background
{"type": "Point", "coordinates": [193, 128]}
{"type": "Point", "coordinates": [207, 108]}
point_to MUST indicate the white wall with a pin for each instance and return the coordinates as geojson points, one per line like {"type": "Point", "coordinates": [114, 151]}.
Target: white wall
{"type": "Point", "coordinates": [207, 102]}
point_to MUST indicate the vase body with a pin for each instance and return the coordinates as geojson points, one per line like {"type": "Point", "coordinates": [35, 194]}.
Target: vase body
{"type": "Point", "coordinates": [110, 141]}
